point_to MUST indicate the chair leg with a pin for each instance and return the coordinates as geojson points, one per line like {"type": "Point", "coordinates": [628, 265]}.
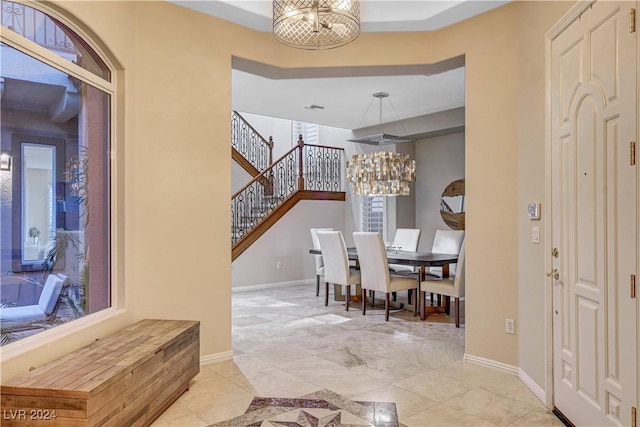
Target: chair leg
{"type": "Point", "coordinates": [409, 296]}
{"type": "Point", "coordinates": [439, 300]}
{"type": "Point", "coordinates": [423, 305]}
{"type": "Point", "coordinates": [432, 298]}
{"type": "Point", "coordinates": [395, 296]}
{"type": "Point", "coordinates": [373, 298]}
{"type": "Point", "coordinates": [317, 284]}
{"type": "Point", "coordinates": [386, 307]}
{"type": "Point", "coordinates": [326, 293]}
{"type": "Point", "coordinates": [457, 312]}
{"type": "Point", "coordinates": [417, 302]}
{"type": "Point", "coordinates": [364, 302]}
{"type": "Point", "coordinates": [447, 305]}
{"type": "Point", "coordinates": [347, 297]}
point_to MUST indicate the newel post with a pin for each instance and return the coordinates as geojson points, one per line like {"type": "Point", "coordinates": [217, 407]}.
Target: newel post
{"type": "Point", "coordinates": [300, 164]}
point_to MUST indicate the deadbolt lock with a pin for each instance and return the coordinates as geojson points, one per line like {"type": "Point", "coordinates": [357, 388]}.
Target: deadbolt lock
{"type": "Point", "coordinates": [555, 274]}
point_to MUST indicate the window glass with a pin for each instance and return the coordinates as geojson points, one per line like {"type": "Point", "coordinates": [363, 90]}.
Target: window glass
{"type": "Point", "coordinates": [372, 214]}
{"type": "Point", "coordinates": [54, 187]}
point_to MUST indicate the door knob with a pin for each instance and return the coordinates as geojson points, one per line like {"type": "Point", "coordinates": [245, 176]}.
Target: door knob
{"type": "Point", "coordinates": [555, 274]}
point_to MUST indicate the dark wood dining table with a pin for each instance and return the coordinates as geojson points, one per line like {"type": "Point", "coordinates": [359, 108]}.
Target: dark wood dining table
{"type": "Point", "coordinates": [416, 259]}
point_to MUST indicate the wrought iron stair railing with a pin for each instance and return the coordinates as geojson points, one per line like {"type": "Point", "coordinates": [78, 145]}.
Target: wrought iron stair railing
{"type": "Point", "coordinates": [251, 147]}
{"type": "Point", "coordinates": [309, 168]}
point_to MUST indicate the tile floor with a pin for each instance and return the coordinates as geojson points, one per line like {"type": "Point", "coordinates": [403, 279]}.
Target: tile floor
{"type": "Point", "coordinates": [286, 343]}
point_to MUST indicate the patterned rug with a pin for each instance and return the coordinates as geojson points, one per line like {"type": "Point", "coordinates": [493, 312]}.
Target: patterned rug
{"type": "Point", "coordinates": [323, 408]}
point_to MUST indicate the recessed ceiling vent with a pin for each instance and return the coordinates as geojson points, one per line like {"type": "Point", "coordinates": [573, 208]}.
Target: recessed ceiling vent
{"type": "Point", "coordinates": [314, 107]}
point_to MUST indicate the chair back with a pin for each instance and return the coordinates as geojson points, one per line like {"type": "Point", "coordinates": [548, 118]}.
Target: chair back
{"type": "Point", "coordinates": [334, 256]}
{"type": "Point", "coordinates": [408, 238]}
{"type": "Point", "coordinates": [447, 242]}
{"type": "Point", "coordinates": [316, 245]}
{"type": "Point", "coordinates": [51, 292]}
{"type": "Point", "coordinates": [458, 280]}
{"type": "Point", "coordinates": [372, 256]}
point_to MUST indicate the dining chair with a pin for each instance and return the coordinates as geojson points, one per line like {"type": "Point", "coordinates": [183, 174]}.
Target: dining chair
{"type": "Point", "coordinates": [452, 286]}
{"type": "Point", "coordinates": [336, 264]}
{"type": "Point", "coordinates": [374, 270]}
{"type": "Point", "coordinates": [319, 262]}
{"type": "Point", "coordinates": [407, 239]}
{"type": "Point", "coordinates": [446, 242]}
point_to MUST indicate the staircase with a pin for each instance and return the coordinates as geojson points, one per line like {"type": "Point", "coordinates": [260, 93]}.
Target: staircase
{"type": "Point", "coordinates": [306, 172]}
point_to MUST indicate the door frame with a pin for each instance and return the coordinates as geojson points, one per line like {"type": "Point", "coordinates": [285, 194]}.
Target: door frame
{"type": "Point", "coordinates": [571, 16]}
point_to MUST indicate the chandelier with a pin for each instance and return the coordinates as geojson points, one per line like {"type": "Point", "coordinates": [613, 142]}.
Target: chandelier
{"type": "Point", "coordinates": [381, 174]}
{"type": "Point", "coordinates": [316, 24]}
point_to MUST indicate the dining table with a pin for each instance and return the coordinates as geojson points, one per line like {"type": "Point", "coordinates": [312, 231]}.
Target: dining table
{"type": "Point", "coordinates": [422, 260]}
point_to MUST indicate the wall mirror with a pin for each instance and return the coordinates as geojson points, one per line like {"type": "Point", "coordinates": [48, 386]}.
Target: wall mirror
{"type": "Point", "coordinates": [452, 205]}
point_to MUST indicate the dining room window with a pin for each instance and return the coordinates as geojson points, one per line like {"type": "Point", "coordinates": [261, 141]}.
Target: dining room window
{"type": "Point", "coordinates": [57, 97]}
{"type": "Point", "coordinates": [372, 214]}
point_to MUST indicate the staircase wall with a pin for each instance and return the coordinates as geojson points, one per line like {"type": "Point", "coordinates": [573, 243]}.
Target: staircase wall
{"type": "Point", "coordinates": [288, 242]}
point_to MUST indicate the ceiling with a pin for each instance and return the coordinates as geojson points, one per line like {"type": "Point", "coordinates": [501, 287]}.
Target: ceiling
{"type": "Point", "coordinates": [347, 93]}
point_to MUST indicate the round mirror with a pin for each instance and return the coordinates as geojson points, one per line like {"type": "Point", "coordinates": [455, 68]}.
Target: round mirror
{"type": "Point", "coordinates": [452, 205]}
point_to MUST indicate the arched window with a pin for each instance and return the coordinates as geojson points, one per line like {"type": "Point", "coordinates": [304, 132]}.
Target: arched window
{"type": "Point", "coordinates": [57, 96]}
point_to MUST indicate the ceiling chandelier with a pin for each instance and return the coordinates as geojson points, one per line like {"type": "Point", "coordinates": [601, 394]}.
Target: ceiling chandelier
{"type": "Point", "coordinates": [381, 174]}
{"type": "Point", "coordinates": [316, 24]}
{"type": "Point", "coordinates": [381, 138]}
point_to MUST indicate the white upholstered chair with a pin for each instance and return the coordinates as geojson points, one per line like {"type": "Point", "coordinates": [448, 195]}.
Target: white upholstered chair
{"type": "Point", "coordinates": [22, 317]}
{"type": "Point", "coordinates": [446, 242]}
{"type": "Point", "coordinates": [374, 270]}
{"type": "Point", "coordinates": [452, 286]}
{"type": "Point", "coordinates": [407, 239]}
{"type": "Point", "coordinates": [336, 264]}
{"type": "Point", "coordinates": [319, 262]}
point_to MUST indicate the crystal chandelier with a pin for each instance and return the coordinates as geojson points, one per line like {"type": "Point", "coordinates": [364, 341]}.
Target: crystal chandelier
{"type": "Point", "coordinates": [316, 24]}
{"type": "Point", "coordinates": [381, 174]}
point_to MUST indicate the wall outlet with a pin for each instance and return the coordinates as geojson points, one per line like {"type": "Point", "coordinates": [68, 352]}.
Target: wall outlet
{"type": "Point", "coordinates": [510, 326]}
{"type": "Point", "coordinates": [278, 265]}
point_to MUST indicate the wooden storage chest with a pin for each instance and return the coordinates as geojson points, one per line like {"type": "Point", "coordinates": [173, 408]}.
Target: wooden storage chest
{"type": "Point", "coordinates": [125, 379]}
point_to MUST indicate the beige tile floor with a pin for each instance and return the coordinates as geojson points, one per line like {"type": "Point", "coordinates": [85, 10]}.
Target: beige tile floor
{"type": "Point", "coordinates": [286, 343]}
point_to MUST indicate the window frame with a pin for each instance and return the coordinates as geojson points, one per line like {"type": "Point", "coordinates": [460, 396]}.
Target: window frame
{"type": "Point", "coordinates": [115, 199]}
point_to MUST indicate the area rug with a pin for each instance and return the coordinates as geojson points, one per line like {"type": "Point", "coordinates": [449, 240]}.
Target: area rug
{"type": "Point", "coordinates": [323, 408]}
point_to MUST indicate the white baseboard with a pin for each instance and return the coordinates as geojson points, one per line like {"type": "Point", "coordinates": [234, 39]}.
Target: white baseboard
{"type": "Point", "coordinates": [513, 370]}
{"type": "Point", "coordinates": [215, 358]}
{"type": "Point", "coordinates": [272, 285]}
{"type": "Point", "coordinates": [531, 385]}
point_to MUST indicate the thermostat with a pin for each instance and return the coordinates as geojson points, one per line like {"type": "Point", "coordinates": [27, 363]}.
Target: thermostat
{"type": "Point", "coordinates": [533, 210]}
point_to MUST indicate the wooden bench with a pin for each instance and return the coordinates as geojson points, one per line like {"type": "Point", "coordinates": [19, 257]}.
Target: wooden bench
{"type": "Point", "coordinates": [126, 379]}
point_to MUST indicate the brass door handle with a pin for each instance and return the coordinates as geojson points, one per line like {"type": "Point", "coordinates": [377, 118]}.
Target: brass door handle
{"type": "Point", "coordinates": [555, 274]}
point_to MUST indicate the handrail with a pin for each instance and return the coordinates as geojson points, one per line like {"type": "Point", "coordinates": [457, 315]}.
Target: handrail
{"type": "Point", "coordinates": [263, 174]}
{"type": "Point", "coordinates": [249, 143]}
{"type": "Point", "coordinates": [302, 168]}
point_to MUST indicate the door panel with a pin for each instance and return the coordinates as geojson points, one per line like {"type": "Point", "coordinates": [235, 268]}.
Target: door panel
{"type": "Point", "coordinates": [594, 216]}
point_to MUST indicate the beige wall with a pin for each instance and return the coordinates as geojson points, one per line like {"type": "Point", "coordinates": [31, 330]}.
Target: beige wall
{"type": "Point", "coordinates": [174, 259]}
{"type": "Point", "coordinates": [531, 178]}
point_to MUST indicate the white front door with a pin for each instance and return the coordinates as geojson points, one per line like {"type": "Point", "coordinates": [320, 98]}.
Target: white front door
{"type": "Point", "coordinates": [594, 215]}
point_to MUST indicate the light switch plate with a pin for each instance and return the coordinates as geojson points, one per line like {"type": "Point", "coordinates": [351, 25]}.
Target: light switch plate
{"type": "Point", "coordinates": [535, 235]}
